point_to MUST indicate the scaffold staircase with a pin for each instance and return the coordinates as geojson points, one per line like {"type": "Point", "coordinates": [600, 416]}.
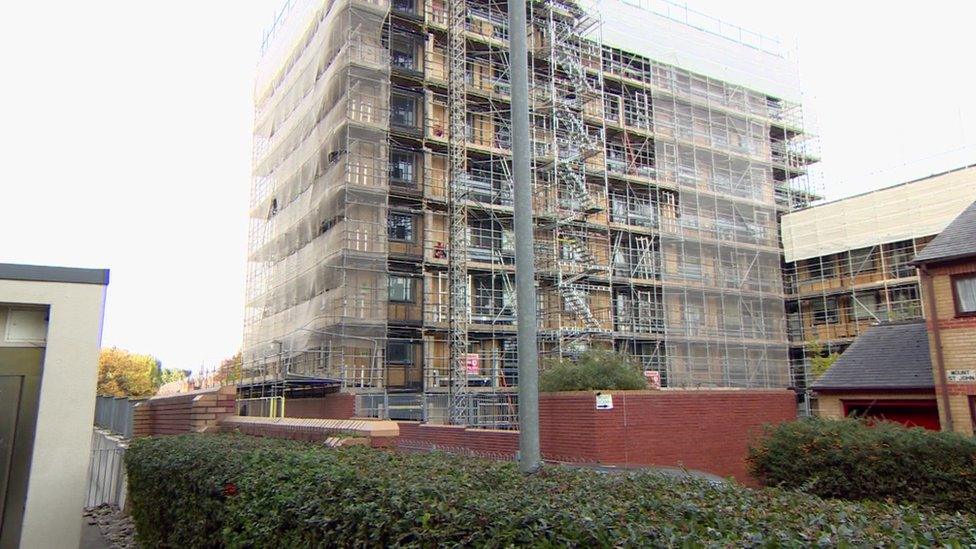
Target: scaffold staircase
{"type": "Point", "coordinates": [574, 298]}
{"type": "Point", "coordinates": [581, 256]}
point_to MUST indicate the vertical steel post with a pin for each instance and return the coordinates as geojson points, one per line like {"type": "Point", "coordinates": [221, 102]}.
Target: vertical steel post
{"type": "Point", "coordinates": [528, 356]}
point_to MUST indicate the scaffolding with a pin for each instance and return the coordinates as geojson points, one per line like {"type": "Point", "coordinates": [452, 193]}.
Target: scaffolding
{"type": "Point", "coordinates": [381, 256]}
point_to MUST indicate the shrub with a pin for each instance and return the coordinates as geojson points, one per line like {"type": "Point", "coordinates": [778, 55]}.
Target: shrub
{"type": "Point", "coordinates": [230, 490]}
{"type": "Point", "coordinates": [594, 370]}
{"type": "Point", "coordinates": [853, 459]}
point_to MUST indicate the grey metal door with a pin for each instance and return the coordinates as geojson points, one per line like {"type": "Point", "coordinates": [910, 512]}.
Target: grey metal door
{"type": "Point", "coordinates": [9, 406]}
{"type": "Point", "coordinates": [20, 373]}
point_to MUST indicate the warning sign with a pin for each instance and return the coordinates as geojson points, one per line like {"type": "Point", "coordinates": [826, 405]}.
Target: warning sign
{"type": "Point", "coordinates": [653, 379]}
{"type": "Point", "coordinates": [471, 363]}
{"type": "Point", "coordinates": [604, 401]}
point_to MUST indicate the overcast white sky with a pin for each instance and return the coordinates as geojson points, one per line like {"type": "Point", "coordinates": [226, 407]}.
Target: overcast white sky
{"type": "Point", "coordinates": [125, 137]}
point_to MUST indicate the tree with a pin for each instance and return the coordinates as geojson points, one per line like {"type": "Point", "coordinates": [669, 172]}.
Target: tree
{"type": "Point", "coordinates": [230, 370]}
{"type": "Point", "coordinates": [593, 370]}
{"type": "Point", "coordinates": [820, 360]}
{"type": "Point", "coordinates": [123, 373]}
{"type": "Point", "coordinates": [168, 375]}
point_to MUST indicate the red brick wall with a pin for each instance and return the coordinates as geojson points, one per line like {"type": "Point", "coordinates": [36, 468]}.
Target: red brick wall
{"type": "Point", "coordinates": [484, 442]}
{"type": "Point", "coordinates": [191, 412]}
{"type": "Point", "coordinates": [704, 430]}
{"type": "Point", "coordinates": [334, 406]}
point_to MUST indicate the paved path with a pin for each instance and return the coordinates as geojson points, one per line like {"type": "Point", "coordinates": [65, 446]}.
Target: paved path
{"type": "Point", "coordinates": [91, 537]}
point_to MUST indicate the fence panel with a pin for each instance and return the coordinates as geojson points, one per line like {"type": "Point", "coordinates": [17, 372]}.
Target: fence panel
{"type": "Point", "coordinates": [115, 414]}
{"type": "Point", "coordinates": [106, 471]}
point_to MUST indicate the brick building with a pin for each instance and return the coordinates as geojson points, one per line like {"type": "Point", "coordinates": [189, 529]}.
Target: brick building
{"type": "Point", "coordinates": [947, 271]}
{"type": "Point", "coordinates": [887, 374]}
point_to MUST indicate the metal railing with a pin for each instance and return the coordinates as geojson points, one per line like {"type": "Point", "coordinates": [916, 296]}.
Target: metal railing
{"type": "Point", "coordinates": [115, 414]}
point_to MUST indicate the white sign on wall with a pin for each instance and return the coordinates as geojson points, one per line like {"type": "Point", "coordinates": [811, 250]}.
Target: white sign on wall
{"type": "Point", "coordinates": [604, 401]}
{"type": "Point", "coordinates": [961, 375]}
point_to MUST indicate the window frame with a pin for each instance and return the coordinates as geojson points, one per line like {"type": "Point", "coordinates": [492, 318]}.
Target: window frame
{"type": "Point", "coordinates": [414, 162]}
{"type": "Point", "coordinates": [413, 225]}
{"type": "Point", "coordinates": [953, 279]}
{"type": "Point", "coordinates": [408, 292]}
{"type": "Point", "coordinates": [859, 311]}
{"type": "Point", "coordinates": [406, 44]}
{"type": "Point", "coordinates": [831, 316]}
{"type": "Point", "coordinates": [411, 11]}
{"type": "Point", "coordinates": [417, 116]}
{"type": "Point", "coordinates": [408, 346]}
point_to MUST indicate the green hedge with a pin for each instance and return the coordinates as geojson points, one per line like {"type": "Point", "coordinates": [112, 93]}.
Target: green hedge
{"type": "Point", "coordinates": [852, 459]}
{"type": "Point", "coordinates": [593, 370]}
{"type": "Point", "coordinates": [231, 490]}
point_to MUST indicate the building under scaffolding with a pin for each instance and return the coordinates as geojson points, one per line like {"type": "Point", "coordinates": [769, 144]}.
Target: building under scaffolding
{"type": "Point", "coordinates": [847, 261]}
{"type": "Point", "coordinates": [665, 147]}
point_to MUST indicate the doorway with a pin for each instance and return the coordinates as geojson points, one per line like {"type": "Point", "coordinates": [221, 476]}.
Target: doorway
{"type": "Point", "coordinates": [20, 376]}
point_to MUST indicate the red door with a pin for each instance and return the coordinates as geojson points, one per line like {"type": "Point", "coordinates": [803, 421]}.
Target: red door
{"type": "Point", "coordinates": [911, 413]}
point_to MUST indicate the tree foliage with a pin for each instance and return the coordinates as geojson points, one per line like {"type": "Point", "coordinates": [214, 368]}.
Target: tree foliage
{"type": "Point", "coordinates": [820, 361]}
{"type": "Point", "coordinates": [123, 373]}
{"type": "Point", "coordinates": [594, 370]}
{"type": "Point", "coordinates": [230, 369]}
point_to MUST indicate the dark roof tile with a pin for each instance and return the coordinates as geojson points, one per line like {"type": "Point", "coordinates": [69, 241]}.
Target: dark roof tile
{"type": "Point", "coordinates": [957, 240]}
{"type": "Point", "coordinates": [887, 356]}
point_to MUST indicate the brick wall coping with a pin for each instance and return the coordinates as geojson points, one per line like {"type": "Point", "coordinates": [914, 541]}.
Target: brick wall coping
{"type": "Point", "coordinates": [666, 391]}
{"type": "Point", "coordinates": [198, 392]}
{"type": "Point", "coordinates": [457, 427]}
{"type": "Point", "coordinates": [361, 427]}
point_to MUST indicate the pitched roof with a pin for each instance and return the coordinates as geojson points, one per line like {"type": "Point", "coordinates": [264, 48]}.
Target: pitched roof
{"type": "Point", "coordinates": [887, 356]}
{"type": "Point", "coordinates": [957, 240]}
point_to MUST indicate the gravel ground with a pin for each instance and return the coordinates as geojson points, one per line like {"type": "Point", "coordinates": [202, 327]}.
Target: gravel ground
{"type": "Point", "coordinates": [116, 527]}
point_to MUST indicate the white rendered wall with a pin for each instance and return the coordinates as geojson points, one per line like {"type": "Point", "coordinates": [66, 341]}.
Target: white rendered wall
{"type": "Point", "coordinates": [66, 408]}
{"type": "Point", "coordinates": [910, 210]}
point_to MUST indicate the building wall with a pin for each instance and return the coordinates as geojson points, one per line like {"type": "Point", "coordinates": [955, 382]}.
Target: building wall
{"type": "Point", "coordinates": [66, 407]}
{"type": "Point", "coordinates": [958, 335]}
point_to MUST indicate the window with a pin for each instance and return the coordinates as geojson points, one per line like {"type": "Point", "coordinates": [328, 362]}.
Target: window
{"type": "Point", "coordinates": [964, 290]}
{"type": "Point", "coordinates": [865, 306]}
{"type": "Point", "coordinates": [824, 311]}
{"type": "Point", "coordinates": [820, 268]}
{"type": "Point", "coordinates": [402, 166]}
{"type": "Point", "coordinates": [399, 227]}
{"type": "Point", "coordinates": [862, 261]}
{"type": "Point", "coordinates": [399, 352]}
{"type": "Point", "coordinates": [403, 111]}
{"type": "Point", "coordinates": [403, 54]}
{"type": "Point", "coordinates": [401, 289]}
{"type": "Point", "coordinates": [404, 6]}
{"type": "Point", "coordinates": [900, 255]}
